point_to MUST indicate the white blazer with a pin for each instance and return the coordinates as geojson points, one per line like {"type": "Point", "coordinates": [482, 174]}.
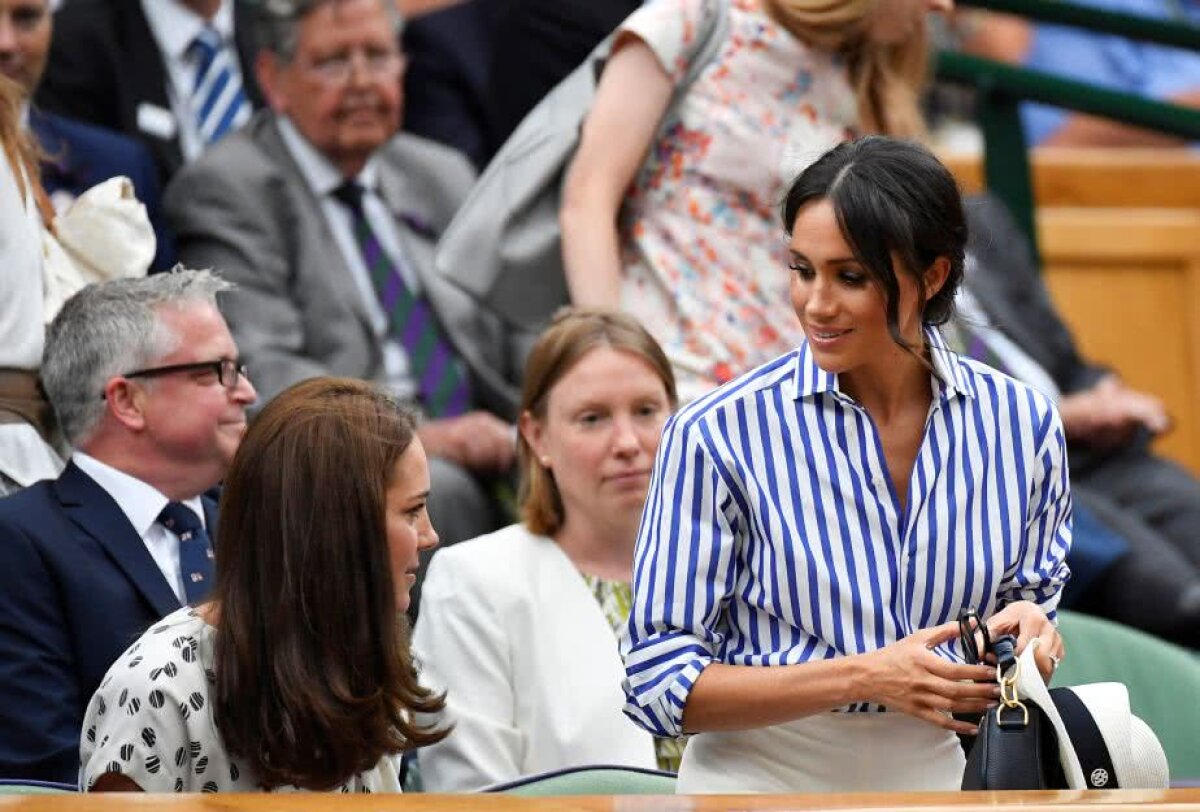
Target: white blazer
{"type": "Point", "coordinates": [509, 629]}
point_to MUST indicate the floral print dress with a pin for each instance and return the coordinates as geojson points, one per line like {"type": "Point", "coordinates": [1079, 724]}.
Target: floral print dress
{"type": "Point", "coordinates": [703, 253]}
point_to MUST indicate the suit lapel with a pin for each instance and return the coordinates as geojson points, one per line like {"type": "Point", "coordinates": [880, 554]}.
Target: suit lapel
{"type": "Point", "coordinates": [145, 76]}
{"type": "Point", "coordinates": [312, 230]}
{"type": "Point", "coordinates": [96, 513]}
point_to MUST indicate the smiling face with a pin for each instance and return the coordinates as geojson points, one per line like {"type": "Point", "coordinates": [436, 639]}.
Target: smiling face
{"type": "Point", "coordinates": [839, 303]}
{"type": "Point", "coordinates": [598, 436]}
{"type": "Point", "coordinates": [191, 420]}
{"type": "Point", "coordinates": [409, 530]}
{"type": "Point", "coordinates": [342, 86]}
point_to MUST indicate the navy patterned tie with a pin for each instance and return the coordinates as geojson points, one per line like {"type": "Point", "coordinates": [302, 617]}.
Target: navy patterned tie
{"type": "Point", "coordinates": [441, 379]}
{"type": "Point", "coordinates": [195, 550]}
{"type": "Point", "coordinates": [218, 100]}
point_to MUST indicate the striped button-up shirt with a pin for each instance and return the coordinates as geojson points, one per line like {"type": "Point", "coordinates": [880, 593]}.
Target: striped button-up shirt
{"type": "Point", "coordinates": [773, 535]}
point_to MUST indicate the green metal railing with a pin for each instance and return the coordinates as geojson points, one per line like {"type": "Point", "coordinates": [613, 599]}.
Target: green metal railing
{"type": "Point", "coordinates": [1001, 88]}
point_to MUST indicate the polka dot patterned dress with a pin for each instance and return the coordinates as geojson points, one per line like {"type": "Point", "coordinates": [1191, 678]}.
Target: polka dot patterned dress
{"type": "Point", "coordinates": [151, 720]}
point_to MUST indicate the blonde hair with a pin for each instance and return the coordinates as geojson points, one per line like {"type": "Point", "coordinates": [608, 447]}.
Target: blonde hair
{"type": "Point", "coordinates": [20, 150]}
{"type": "Point", "coordinates": [572, 335]}
{"type": "Point", "coordinates": [887, 79]}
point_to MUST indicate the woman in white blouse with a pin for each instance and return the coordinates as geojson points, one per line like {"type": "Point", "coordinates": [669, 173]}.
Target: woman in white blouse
{"type": "Point", "coordinates": [518, 626]}
{"type": "Point", "coordinates": [27, 424]}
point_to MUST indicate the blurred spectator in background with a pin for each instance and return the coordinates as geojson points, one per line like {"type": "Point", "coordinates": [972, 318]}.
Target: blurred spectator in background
{"type": "Point", "coordinates": [326, 219]}
{"type": "Point", "coordinates": [1117, 63]}
{"type": "Point", "coordinates": [175, 73]}
{"type": "Point", "coordinates": [1152, 503]}
{"type": "Point", "coordinates": [75, 156]}
{"type": "Point", "coordinates": [677, 230]}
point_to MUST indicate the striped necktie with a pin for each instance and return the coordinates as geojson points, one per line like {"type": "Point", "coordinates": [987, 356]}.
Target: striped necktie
{"type": "Point", "coordinates": [441, 379]}
{"type": "Point", "coordinates": [218, 100]}
{"type": "Point", "coordinates": [195, 550]}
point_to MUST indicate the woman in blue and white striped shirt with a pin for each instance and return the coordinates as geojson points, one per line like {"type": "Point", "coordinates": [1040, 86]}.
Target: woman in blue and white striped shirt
{"type": "Point", "coordinates": [830, 513]}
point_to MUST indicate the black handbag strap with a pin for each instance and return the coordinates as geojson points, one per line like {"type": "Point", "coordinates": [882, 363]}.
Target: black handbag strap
{"type": "Point", "coordinates": [1086, 740]}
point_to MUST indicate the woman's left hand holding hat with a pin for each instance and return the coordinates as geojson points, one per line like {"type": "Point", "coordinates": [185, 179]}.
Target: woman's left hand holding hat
{"type": "Point", "coordinates": [1026, 621]}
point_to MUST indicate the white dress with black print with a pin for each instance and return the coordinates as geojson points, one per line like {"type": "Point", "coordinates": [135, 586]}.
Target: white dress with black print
{"type": "Point", "coordinates": [151, 720]}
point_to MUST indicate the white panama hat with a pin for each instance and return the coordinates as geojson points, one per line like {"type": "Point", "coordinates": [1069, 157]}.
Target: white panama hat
{"type": "Point", "coordinates": [1097, 733]}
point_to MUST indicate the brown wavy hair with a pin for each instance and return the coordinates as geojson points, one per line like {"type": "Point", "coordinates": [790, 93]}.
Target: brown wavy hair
{"type": "Point", "coordinates": [887, 79]}
{"type": "Point", "coordinates": [573, 334]}
{"type": "Point", "coordinates": [314, 676]}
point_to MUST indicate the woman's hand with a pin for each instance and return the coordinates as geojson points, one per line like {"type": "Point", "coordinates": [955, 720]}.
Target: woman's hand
{"type": "Point", "coordinates": [907, 676]}
{"type": "Point", "coordinates": [1026, 621]}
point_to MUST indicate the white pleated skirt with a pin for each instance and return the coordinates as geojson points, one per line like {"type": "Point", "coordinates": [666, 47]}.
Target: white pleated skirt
{"type": "Point", "coordinates": [830, 752]}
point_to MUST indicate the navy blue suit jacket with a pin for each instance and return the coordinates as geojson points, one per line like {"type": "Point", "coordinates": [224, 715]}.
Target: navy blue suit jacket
{"type": "Point", "coordinates": [78, 155]}
{"type": "Point", "coordinates": [77, 587]}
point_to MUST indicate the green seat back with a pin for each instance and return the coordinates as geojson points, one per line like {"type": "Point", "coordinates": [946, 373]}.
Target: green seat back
{"type": "Point", "coordinates": [1163, 681]}
{"type": "Point", "coordinates": [592, 781]}
{"type": "Point", "coordinates": [8, 787]}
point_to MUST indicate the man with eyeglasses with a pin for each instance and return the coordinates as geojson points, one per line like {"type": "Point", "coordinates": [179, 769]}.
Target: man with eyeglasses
{"type": "Point", "coordinates": [326, 217]}
{"type": "Point", "coordinates": [150, 393]}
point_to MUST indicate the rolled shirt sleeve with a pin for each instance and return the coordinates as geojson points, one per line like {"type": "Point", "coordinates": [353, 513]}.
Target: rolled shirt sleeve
{"type": "Point", "coordinates": [1039, 571]}
{"type": "Point", "coordinates": [683, 574]}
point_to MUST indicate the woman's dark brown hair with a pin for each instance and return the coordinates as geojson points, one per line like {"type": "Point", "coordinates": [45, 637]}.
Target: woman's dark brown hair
{"type": "Point", "coordinates": [892, 198]}
{"type": "Point", "coordinates": [573, 334]}
{"type": "Point", "coordinates": [314, 677]}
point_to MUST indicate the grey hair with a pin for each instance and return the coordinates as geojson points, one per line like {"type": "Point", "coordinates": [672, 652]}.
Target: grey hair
{"type": "Point", "coordinates": [111, 328]}
{"type": "Point", "coordinates": [277, 28]}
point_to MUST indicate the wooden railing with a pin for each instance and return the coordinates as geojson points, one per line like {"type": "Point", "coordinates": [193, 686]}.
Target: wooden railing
{"type": "Point", "coordinates": [1147, 800]}
{"type": "Point", "coordinates": [1119, 232]}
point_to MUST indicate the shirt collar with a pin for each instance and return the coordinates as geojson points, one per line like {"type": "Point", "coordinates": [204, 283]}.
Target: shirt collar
{"type": "Point", "coordinates": [321, 176]}
{"type": "Point", "coordinates": [140, 501]}
{"type": "Point", "coordinates": [950, 375]}
{"type": "Point", "coordinates": [175, 26]}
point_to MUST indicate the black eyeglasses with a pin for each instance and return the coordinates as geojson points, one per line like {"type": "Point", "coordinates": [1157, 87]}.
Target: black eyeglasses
{"type": "Point", "coordinates": [968, 625]}
{"type": "Point", "coordinates": [228, 371]}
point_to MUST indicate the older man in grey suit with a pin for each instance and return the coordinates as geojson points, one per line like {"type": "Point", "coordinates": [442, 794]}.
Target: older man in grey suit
{"type": "Point", "coordinates": [326, 219]}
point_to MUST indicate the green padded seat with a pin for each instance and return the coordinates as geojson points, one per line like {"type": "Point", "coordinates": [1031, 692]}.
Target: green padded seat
{"type": "Point", "coordinates": [1163, 681]}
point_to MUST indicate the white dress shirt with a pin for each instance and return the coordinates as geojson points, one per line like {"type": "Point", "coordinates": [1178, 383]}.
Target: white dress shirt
{"type": "Point", "coordinates": [323, 178]}
{"type": "Point", "coordinates": [175, 27]}
{"type": "Point", "coordinates": [141, 503]}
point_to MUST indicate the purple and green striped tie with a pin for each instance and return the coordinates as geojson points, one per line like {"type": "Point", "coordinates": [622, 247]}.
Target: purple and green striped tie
{"type": "Point", "coordinates": [441, 380]}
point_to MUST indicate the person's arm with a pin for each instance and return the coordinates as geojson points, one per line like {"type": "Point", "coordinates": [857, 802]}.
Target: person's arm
{"type": "Point", "coordinates": [478, 441]}
{"type": "Point", "coordinates": [463, 649]}
{"type": "Point", "coordinates": [1082, 130]}
{"type": "Point", "coordinates": [631, 98]}
{"type": "Point", "coordinates": [905, 676]}
{"type": "Point", "coordinates": [1032, 583]}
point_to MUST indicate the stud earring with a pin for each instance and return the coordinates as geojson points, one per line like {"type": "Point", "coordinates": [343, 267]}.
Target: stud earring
{"type": "Point", "coordinates": [545, 461]}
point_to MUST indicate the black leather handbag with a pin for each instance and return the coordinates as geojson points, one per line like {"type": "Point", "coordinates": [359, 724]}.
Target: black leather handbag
{"type": "Point", "coordinates": [1016, 747]}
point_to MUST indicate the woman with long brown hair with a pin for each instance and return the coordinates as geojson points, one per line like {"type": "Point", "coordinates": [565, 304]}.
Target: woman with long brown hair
{"type": "Point", "coordinates": [297, 674]}
{"type": "Point", "coordinates": [673, 221]}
